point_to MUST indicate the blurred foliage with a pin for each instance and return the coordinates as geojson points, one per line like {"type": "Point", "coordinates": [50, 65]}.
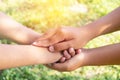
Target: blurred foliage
{"type": "Point", "coordinates": [42, 15]}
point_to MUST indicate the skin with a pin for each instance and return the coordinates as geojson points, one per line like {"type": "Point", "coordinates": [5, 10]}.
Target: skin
{"type": "Point", "coordinates": [76, 37]}
{"type": "Point", "coordinates": [106, 55]}
{"type": "Point", "coordinates": [24, 54]}
{"type": "Point", "coordinates": [10, 29]}
{"type": "Point", "coordinates": [67, 54]}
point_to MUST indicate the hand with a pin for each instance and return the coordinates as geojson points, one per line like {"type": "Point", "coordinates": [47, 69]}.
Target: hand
{"type": "Point", "coordinates": [64, 38]}
{"type": "Point", "coordinates": [67, 54]}
{"type": "Point", "coordinates": [75, 62]}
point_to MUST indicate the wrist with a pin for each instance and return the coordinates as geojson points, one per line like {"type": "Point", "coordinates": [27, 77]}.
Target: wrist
{"type": "Point", "coordinates": [37, 55]}
{"type": "Point", "coordinates": [88, 32]}
{"type": "Point", "coordinates": [32, 54]}
{"type": "Point", "coordinates": [93, 30]}
{"type": "Point", "coordinates": [30, 37]}
{"type": "Point", "coordinates": [85, 53]}
{"type": "Point", "coordinates": [25, 36]}
{"type": "Point", "coordinates": [101, 26]}
{"type": "Point", "coordinates": [43, 56]}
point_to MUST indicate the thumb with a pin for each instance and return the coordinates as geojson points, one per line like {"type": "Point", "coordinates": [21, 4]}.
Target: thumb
{"type": "Point", "coordinates": [60, 66]}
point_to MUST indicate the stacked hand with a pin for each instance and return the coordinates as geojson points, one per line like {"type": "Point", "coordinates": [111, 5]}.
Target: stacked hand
{"type": "Point", "coordinates": [63, 39]}
{"type": "Point", "coordinates": [66, 40]}
{"type": "Point", "coordinates": [70, 64]}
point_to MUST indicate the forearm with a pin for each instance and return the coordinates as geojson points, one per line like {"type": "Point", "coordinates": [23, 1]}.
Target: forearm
{"type": "Point", "coordinates": [21, 55]}
{"type": "Point", "coordinates": [106, 24]}
{"type": "Point", "coordinates": [15, 31]}
{"type": "Point", "coordinates": [106, 55]}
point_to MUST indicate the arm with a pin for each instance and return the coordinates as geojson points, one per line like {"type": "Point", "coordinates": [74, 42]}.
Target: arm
{"type": "Point", "coordinates": [15, 31]}
{"type": "Point", "coordinates": [106, 55]}
{"type": "Point", "coordinates": [22, 55]}
{"type": "Point", "coordinates": [64, 38]}
{"type": "Point", "coordinates": [105, 24]}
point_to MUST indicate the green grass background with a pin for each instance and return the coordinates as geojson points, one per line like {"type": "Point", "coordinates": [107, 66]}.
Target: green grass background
{"type": "Point", "coordinates": [41, 15]}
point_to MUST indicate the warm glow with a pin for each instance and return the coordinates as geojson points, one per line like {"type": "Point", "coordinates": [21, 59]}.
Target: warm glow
{"type": "Point", "coordinates": [80, 8]}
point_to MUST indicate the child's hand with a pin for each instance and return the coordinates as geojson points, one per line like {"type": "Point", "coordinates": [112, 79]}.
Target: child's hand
{"type": "Point", "coordinates": [69, 65]}
{"type": "Point", "coordinates": [67, 54]}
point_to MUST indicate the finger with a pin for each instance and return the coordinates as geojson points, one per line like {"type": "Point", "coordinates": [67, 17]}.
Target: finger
{"type": "Point", "coordinates": [48, 33]}
{"type": "Point", "coordinates": [44, 42]}
{"type": "Point", "coordinates": [71, 51]}
{"type": "Point", "coordinates": [66, 54]}
{"type": "Point", "coordinates": [62, 45]}
{"type": "Point", "coordinates": [41, 43]}
{"type": "Point", "coordinates": [49, 66]}
{"type": "Point", "coordinates": [69, 65]}
{"type": "Point", "coordinates": [45, 36]}
{"type": "Point", "coordinates": [62, 60]}
{"type": "Point", "coordinates": [56, 66]}
{"type": "Point", "coordinates": [59, 66]}
{"type": "Point", "coordinates": [78, 51]}
{"type": "Point", "coordinates": [56, 37]}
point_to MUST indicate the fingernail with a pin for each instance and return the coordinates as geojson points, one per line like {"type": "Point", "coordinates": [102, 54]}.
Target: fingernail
{"type": "Point", "coordinates": [51, 49]}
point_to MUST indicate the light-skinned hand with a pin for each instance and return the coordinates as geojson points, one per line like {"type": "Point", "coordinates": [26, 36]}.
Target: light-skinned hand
{"type": "Point", "coordinates": [64, 38]}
